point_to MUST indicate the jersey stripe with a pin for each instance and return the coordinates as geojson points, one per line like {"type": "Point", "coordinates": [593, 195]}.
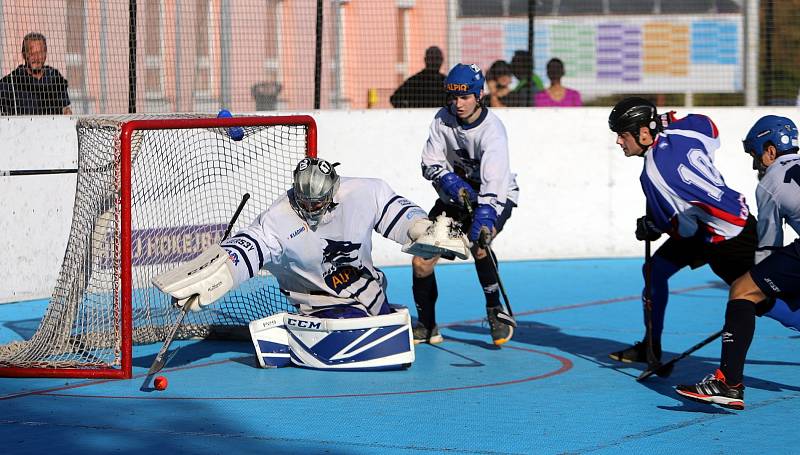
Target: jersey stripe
{"type": "Point", "coordinates": [386, 209]}
{"type": "Point", "coordinates": [396, 219]}
{"type": "Point", "coordinates": [245, 258]}
{"type": "Point", "coordinates": [258, 248]}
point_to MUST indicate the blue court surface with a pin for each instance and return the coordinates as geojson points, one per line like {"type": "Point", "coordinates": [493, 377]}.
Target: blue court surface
{"type": "Point", "coordinates": [552, 389]}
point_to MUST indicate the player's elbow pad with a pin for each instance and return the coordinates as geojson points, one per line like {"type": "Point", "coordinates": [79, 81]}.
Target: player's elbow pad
{"type": "Point", "coordinates": [209, 276]}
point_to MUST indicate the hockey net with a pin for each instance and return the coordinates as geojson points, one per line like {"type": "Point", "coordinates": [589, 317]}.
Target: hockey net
{"type": "Point", "coordinates": [152, 193]}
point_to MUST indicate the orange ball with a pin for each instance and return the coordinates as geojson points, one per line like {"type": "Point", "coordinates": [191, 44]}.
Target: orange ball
{"type": "Point", "coordinates": [160, 383]}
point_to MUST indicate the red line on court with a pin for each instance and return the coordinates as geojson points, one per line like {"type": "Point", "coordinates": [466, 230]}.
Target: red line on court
{"type": "Point", "coordinates": [566, 364]}
{"type": "Point", "coordinates": [581, 305]}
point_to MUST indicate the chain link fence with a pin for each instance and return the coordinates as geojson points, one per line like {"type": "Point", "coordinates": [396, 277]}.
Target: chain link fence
{"type": "Point", "coordinates": [152, 56]}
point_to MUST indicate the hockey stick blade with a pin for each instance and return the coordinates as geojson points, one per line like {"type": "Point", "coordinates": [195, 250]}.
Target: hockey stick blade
{"type": "Point", "coordinates": [664, 370]}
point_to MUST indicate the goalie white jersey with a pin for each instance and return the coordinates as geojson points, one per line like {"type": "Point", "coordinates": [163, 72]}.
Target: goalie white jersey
{"type": "Point", "coordinates": [477, 152]}
{"type": "Point", "coordinates": [332, 265]}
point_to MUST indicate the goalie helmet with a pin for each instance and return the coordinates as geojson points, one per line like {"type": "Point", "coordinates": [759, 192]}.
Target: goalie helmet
{"type": "Point", "coordinates": [464, 80]}
{"type": "Point", "coordinates": [771, 130]}
{"type": "Point", "coordinates": [315, 184]}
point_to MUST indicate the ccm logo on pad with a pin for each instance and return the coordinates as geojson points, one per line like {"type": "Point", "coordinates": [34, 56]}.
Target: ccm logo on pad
{"type": "Point", "coordinates": [303, 324]}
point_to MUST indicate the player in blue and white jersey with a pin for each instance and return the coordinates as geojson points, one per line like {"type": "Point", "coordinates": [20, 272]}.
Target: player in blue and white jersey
{"type": "Point", "coordinates": [467, 152]}
{"type": "Point", "coordinates": [771, 287]}
{"type": "Point", "coordinates": [687, 198]}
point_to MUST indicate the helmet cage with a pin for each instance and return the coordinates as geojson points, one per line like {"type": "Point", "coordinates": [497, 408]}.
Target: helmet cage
{"type": "Point", "coordinates": [315, 184]}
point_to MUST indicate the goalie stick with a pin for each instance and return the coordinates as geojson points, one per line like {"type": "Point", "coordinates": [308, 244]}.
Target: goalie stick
{"type": "Point", "coordinates": [507, 318]}
{"type": "Point", "coordinates": [667, 367]}
{"type": "Point", "coordinates": [161, 359]}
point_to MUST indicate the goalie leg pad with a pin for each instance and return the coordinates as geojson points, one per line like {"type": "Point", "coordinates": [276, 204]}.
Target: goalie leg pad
{"type": "Point", "coordinates": [382, 342]}
{"type": "Point", "coordinates": [271, 341]}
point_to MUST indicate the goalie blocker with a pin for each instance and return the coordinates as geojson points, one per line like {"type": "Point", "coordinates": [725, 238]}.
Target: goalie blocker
{"type": "Point", "coordinates": [358, 344]}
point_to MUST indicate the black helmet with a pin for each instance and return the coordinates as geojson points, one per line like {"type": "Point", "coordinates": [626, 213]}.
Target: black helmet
{"type": "Point", "coordinates": [632, 113]}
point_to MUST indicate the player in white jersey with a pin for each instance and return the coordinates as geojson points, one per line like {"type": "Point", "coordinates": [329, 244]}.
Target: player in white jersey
{"type": "Point", "coordinates": [687, 198]}
{"type": "Point", "coordinates": [467, 154]}
{"type": "Point", "coordinates": [773, 285]}
{"type": "Point", "coordinates": [316, 240]}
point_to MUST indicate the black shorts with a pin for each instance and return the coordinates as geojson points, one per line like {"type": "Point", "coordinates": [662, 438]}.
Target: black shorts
{"type": "Point", "coordinates": [778, 275]}
{"type": "Point", "coordinates": [459, 214]}
{"type": "Point", "coordinates": [729, 259]}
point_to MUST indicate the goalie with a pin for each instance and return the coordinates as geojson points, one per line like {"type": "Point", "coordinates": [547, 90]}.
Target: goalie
{"type": "Point", "coordinates": [317, 241]}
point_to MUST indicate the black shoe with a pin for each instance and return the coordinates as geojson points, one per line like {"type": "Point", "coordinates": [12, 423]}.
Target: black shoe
{"type": "Point", "coordinates": [499, 325]}
{"type": "Point", "coordinates": [714, 390]}
{"type": "Point", "coordinates": [636, 353]}
{"type": "Point", "coordinates": [423, 335]}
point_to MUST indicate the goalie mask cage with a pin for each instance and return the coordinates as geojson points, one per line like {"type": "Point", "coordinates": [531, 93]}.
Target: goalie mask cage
{"type": "Point", "coordinates": [153, 192]}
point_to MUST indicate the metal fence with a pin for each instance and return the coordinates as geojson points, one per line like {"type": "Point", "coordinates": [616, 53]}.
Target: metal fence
{"type": "Point", "coordinates": [121, 56]}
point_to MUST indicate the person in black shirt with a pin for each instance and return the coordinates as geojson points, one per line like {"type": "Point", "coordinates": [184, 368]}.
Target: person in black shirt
{"type": "Point", "coordinates": [426, 88]}
{"type": "Point", "coordinates": [34, 88]}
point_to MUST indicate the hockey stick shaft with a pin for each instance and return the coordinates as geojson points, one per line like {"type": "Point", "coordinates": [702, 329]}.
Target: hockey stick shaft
{"type": "Point", "coordinates": [161, 360]}
{"type": "Point", "coordinates": [649, 372]}
{"type": "Point", "coordinates": [652, 361]}
{"type": "Point", "coordinates": [485, 245]}
{"type": "Point", "coordinates": [18, 172]}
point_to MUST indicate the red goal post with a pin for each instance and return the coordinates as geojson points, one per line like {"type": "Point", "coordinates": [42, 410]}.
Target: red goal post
{"type": "Point", "coordinates": [152, 192]}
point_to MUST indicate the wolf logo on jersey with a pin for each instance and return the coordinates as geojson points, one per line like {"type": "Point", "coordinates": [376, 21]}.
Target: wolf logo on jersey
{"type": "Point", "coordinates": [341, 265]}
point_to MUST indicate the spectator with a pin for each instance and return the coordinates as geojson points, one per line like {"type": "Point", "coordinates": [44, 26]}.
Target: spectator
{"type": "Point", "coordinates": [529, 83]}
{"type": "Point", "coordinates": [34, 88]}
{"type": "Point", "coordinates": [498, 81]}
{"type": "Point", "coordinates": [557, 95]}
{"type": "Point", "coordinates": [426, 88]}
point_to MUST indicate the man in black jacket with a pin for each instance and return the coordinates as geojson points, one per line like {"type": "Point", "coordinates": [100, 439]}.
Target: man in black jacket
{"type": "Point", "coordinates": [426, 88]}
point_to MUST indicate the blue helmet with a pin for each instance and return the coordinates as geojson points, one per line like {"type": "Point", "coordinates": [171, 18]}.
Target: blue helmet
{"type": "Point", "coordinates": [464, 80]}
{"type": "Point", "coordinates": [771, 129]}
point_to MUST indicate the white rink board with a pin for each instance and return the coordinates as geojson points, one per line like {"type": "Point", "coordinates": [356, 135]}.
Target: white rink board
{"type": "Point", "coordinates": [579, 195]}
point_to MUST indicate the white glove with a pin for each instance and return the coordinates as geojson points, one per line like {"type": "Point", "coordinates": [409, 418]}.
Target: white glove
{"type": "Point", "coordinates": [441, 238]}
{"type": "Point", "coordinates": [209, 275]}
{"type": "Point", "coordinates": [419, 227]}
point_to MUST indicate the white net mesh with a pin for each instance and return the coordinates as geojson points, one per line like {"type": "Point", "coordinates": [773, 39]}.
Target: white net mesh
{"type": "Point", "coordinates": [185, 186]}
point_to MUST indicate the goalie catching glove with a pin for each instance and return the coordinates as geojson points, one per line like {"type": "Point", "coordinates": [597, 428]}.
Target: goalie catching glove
{"type": "Point", "coordinates": [439, 238]}
{"type": "Point", "coordinates": [209, 276]}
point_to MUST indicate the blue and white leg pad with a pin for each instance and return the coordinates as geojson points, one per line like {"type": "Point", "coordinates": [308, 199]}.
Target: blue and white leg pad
{"type": "Point", "coordinates": [372, 343]}
{"type": "Point", "coordinates": [271, 341]}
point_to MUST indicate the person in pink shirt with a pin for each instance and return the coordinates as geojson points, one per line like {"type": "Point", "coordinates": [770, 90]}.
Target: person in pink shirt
{"type": "Point", "coordinates": [557, 95]}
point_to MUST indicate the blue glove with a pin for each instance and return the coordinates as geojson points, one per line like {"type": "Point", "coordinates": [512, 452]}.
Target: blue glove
{"type": "Point", "coordinates": [452, 185]}
{"type": "Point", "coordinates": [485, 216]}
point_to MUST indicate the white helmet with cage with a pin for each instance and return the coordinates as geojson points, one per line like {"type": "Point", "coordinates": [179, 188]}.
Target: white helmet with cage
{"type": "Point", "coordinates": [315, 184]}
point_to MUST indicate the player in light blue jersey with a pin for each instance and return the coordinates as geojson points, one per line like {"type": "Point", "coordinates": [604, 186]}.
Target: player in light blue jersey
{"type": "Point", "coordinates": [687, 198]}
{"type": "Point", "coordinates": [773, 285]}
{"type": "Point", "coordinates": [467, 154]}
